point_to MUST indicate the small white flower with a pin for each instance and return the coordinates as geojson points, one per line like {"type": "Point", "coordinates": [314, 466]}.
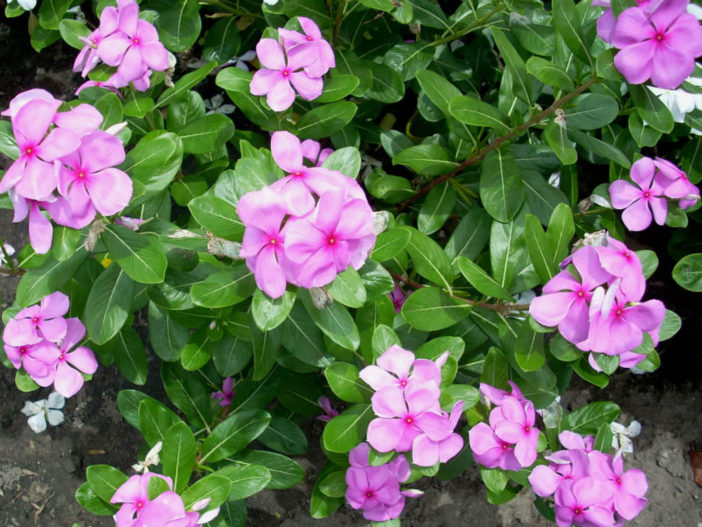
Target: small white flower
{"type": "Point", "coordinates": [621, 436]}
{"type": "Point", "coordinates": [39, 412]}
{"type": "Point", "coordinates": [215, 105]}
{"type": "Point", "coordinates": [152, 458]}
{"type": "Point", "coordinates": [27, 5]}
{"type": "Point", "coordinates": [555, 179]}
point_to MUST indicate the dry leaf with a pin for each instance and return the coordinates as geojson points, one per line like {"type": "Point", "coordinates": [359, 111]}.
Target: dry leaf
{"type": "Point", "coordinates": [696, 464]}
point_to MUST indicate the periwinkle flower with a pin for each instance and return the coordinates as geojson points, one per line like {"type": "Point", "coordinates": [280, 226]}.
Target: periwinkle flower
{"type": "Point", "coordinates": [133, 496]}
{"type": "Point", "coordinates": [71, 363]}
{"type": "Point", "coordinates": [642, 199]}
{"type": "Point", "coordinates": [311, 46]}
{"type": "Point", "coordinates": [227, 394]}
{"type": "Point", "coordinates": [329, 412]}
{"type": "Point", "coordinates": [43, 321]}
{"type": "Point", "coordinates": [660, 45]}
{"type": "Point", "coordinates": [43, 411]}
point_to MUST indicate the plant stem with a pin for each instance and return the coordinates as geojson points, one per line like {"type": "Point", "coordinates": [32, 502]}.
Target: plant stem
{"type": "Point", "coordinates": [337, 21]}
{"type": "Point", "coordinates": [475, 25]}
{"type": "Point", "coordinates": [502, 308]}
{"type": "Point", "coordinates": [11, 270]}
{"type": "Point", "coordinates": [497, 142]}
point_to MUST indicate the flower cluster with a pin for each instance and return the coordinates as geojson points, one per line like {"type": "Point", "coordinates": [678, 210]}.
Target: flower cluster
{"type": "Point", "coordinates": [126, 42]}
{"type": "Point", "coordinates": [40, 339]}
{"type": "Point", "coordinates": [510, 440]}
{"type": "Point", "coordinates": [589, 487]}
{"type": "Point", "coordinates": [596, 305]}
{"type": "Point", "coordinates": [297, 59]}
{"type": "Point", "coordinates": [376, 490]}
{"type": "Point", "coordinates": [406, 403]}
{"type": "Point", "coordinates": [657, 181]}
{"type": "Point", "coordinates": [166, 510]}
{"type": "Point", "coordinates": [306, 227]}
{"type": "Point", "coordinates": [65, 166]}
{"type": "Point", "coordinates": [658, 40]}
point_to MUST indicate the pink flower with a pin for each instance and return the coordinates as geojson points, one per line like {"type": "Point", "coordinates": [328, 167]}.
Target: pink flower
{"type": "Point", "coordinates": [89, 183]}
{"type": "Point", "coordinates": [311, 46]}
{"type": "Point", "coordinates": [606, 21]}
{"type": "Point", "coordinates": [675, 183]}
{"type": "Point", "coordinates": [640, 202]}
{"type": "Point", "coordinates": [517, 427]}
{"type": "Point", "coordinates": [402, 417]}
{"type": "Point", "coordinates": [134, 48]}
{"type": "Point", "coordinates": [497, 396]}
{"type": "Point", "coordinates": [438, 442]}
{"type": "Point", "coordinates": [311, 151]}
{"type": "Point", "coordinates": [398, 297]}
{"type": "Point", "coordinates": [88, 57]}
{"type": "Point", "coordinates": [583, 502]}
{"type": "Point", "coordinates": [264, 240]}
{"type": "Point", "coordinates": [661, 45]}
{"type": "Point", "coordinates": [68, 380]}
{"type": "Point", "coordinates": [38, 359]}
{"type": "Point", "coordinates": [302, 181]}
{"type": "Point", "coordinates": [43, 321]}
{"type": "Point", "coordinates": [489, 450]}
{"type": "Point", "coordinates": [564, 302]}
{"type": "Point", "coordinates": [328, 411]}
{"type": "Point", "coordinates": [134, 497]}
{"type": "Point", "coordinates": [629, 489]}
{"type": "Point", "coordinates": [275, 78]}
{"type": "Point", "coordinates": [376, 490]}
{"type": "Point", "coordinates": [34, 175]}
{"type": "Point", "coordinates": [622, 263]}
{"type": "Point", "coordinates": [338, 233]}
{"type": "Point", "coordinates": [227, 394]}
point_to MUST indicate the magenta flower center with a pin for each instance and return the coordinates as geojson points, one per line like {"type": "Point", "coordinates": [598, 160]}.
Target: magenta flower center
{"type": "Point", "coordinates": [369, 494]}
{"type": "Point", "coordinates": [35, 320]}
{"type": "Point", "coordinates": [285, 72]}
{"type": "Point", "coordinates": [647, 194]}
{"type": "Point", "coordinates": [403, 383]}
{"type": "Point", "coordinates": [29, 151]}
{"type": "Point", "coordinates": [136, 41]}
{"type": "Point", "coordinates": [581, 294]}
{"type": "Point", "coordinates": [577, 511]}
{"type": "Point", "coordinates": [505, 446]}
{"type": "Point", "coordinates": [23, 351]}
{"type": "Point", "coordinates": [627, 255]}
{"type": "Point", "coordinates": [62, 357]}
{"type": "Point", "coordinates": [309, 38]}
{"type": "Point", "coordinates": [331, 240]}
{"type": "Point", "coordinates": [409, 420]}
{"type": "Point", "coordinates": [139, 504]}
{"type": "Point", "coordinates": [527, 429]}
{"type": "Point", "coordinates": [619, 481]}
{"type": "Point", "coordinates": [660, 36]}
{"type": "Point", "coordinates": [273, 241]}
{"type": "Point", "coordinates": [81, 174]}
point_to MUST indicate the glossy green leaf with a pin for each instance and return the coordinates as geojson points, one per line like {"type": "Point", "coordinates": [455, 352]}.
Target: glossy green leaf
{"type": "Point", "coordinates": [233, 434]}
{"type": "Point", "coordinates": [140, 257]}
{"type": "Point", "coordinates": [501, 189]}
{"type": "Point", "coordinates": [430, 309]}
{"type": "Point", "coordinates": [348, 429]}
{"type": "Point", "coordinates": [344, 381]}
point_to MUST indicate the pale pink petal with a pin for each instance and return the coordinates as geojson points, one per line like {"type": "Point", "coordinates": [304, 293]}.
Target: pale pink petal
{"type": "Point", "coordinates": [425, 452]}
{"type": "Point", "coordinates": [270, 278]}
{"type": "Point", "coordinates": [67, 381]}
{"type": "Point", "coordinates": [83, 359]}
{"type": "Point", "coordinates": [308, 88]}
{"type": "Point", "coordinates": [622, 194]}
{"type": "Point", "coordinates": [40, 231]}
{"type": "Point", "coordinates": [670, 67]}
{"type": "Point", "coordinates": [32, 121]}
{"type": "Point", "coordinates": [384, 434]}
{"type": "Point", "coordinates": [377, 378]}
{"type": "Point", "coordinates": [281, 96]}
{"type": "Point", "coordinates": [110, 190]}
{"type": "Point", "coordinates": [396, 360]}
{"type": "Point", "coordinates": [263, 81]}
{"type": "Point", "coordinates": [287, 151]}
{"type": "Point", "coordinates": [637, 217]}
{"type": "Point", "coordinates": [270, 54]}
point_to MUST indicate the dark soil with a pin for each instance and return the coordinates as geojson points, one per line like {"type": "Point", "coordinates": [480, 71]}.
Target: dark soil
{"type": "Point", "coordinates": [39, 473]}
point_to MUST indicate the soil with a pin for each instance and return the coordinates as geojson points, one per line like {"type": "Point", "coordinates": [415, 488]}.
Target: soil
{"type": "Point", "coordinates": [39, 473]}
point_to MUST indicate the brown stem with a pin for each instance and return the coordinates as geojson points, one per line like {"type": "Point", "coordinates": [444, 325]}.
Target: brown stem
{"type": "Point", "coordinates": [10, 270]}
{"type": "Point", "coordinates": [497, 142]}
{"type": "Point", "coordinates": [500, 308]}
{"type": "Point", "coordinates": [337, 21]}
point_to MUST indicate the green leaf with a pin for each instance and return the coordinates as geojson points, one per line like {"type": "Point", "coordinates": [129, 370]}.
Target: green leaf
{"type": "Point", "coordinates": [338, 87]}
{"type": "Point", "coordinates": [236, 82]}
{"type": "Point", "coordinates": [231, 354]}
{"type": "Point", "coordinates": [214, 487]}
{"type": "Point", "coordinates": [651, 109]}
{"type": "Point", "coordinates": [429, 258]}
{"type": "Point", "coordinates": [206, 133]}
{"type": "Point", "coordinates": [104, 480]}
{"type": "Point", "coordinates": [51, 13]}
{"type": "Point", "coordinates": [542, 198]}
{"type": "Point", "coordinates": [557, 138]}
{"type": "Point", "coordinates": [334, 321]}
{"type": "Point", "coordinates": [71, 31]}
{"type": "Point", "coordinates": [501, 189]}
{"type": "Point", "coordinates": [347, 288]}
{"type": "Point", "coordinates": [549, 73]}
{"type": "Point", "coordinates": [481, 280]}
{"type": "Point", "coordinates": [217, 216]}
{"type": "Point", "coordinates": [284, 436]}
{"type": "Point", "coordinates": [344, 381]}
{"type": "Point", "coordinates": [389, 243]}
{"type": "Point", "coordinates": [325, 120]}
{"type": "Point", "coordinates": [184, 84]}
{"type": "Point", "coordinates": [179, 25]}
{"type": "Point", "coordinates": [269, 313]}
{"type": "Point", "coordinates": [265, 346]}
{"type": "Point", "coordinates": [514, 63]}
{"type": "Point", "coordinates": [387, 86]}
{"type": "Point", "coordinates": [427, 159]}
{"type": "Point", "coordinates": [541, 249]}
{"type": "Point", "coordinates": [470, 236]}
{"type": "Point", "coordinates": [285, 472]}
{"type": "Point", "coordinates": [567, 22]}
{"type": "Point", "coordinates": [688, 272]}
{"type": "Point", "coordinates": [334, 485]}
{"type": "Point", "coordinates": [529, 349]}
{"type": "Point", "coordinates": [322, 505]}
{"type": "Point", "coordinates": [471, 111]}
{"type": "Point", "coordinates": [141, 258]}
{"type": "Point", "coordinates": [137, 105]}
{"type": "Point", "coordinates": [224, 289]}
{"type": "Point", "coordinates": [346, 160]}
{"type": "Point", "coordinates": [439, 90]}
{"type": "Point", "coordinates": [128, 403]}
{"type": "Point", "coordinates": [197, 351]}
{"type": "Point", "coordinates": [587, 420]}
{"type": "Point", "coordinates": [8, 145]}
{"type": "Point", "coordinates": [128, 350]}
{"type": "Point", "coordinates": [437, 208]}
{"type": "Point", "coordinates": [154, 421]}
{"type": "Point", "coordinates": [496, 369]}
{"type": "Point", "coordinates": [671, 325]}
{"type": "Point", "coordinates": [90, 501]}
{"type": "Point", "coordinates": [430, 309]}
{"type": "Point", "coordinates": [560, 231]}
{"type": "Point", "coordinates": [222, 41]}
{"type": "Point", "coordinates": [592, 111]}
{"type": "Point", "coordinates": [40, 281]}
{"type": "Point", "coordinates": [245, 480]}
{"type": "Point", "coordinates": [301, 337]}
{"type": "Point", "coordinates": [107, 307]}
{"type": "Point", "coordinates": [166, 336]}
{"type": "Point", "coordinates": [186, 391]}
{"type": "Point", "coordinates": [383, 338]}
{"type": "Point", "coordinates": [599, 148]}
{"type": "Point", "coordinates": [154, 161]}
{"type": "Point", "coordinates": [347, 430]}
{"type": "Point", "coordinates": [649, 262]}
{"type": "Point", "coordinates": [234, 434]}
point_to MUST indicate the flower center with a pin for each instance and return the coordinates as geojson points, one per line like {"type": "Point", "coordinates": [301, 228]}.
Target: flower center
{"type": "Point", "coordinates": [273, 241]}
{"type": "Point", "coordinates": [136, 41]}
{"type": "Point", "coordinates": [577, 511]}
{"type": "Point", "coordinates": [62, 357]}
{"type": "Point", "coordinates": [581, 294]}
{"type": "Point", "coordinates": [81, 174]}
{"type": "Point", "coordinates": [660, 36]}
{"type": "Point", "coordinates": [627, 255]}
{"type": "Point", "coordinates": [297, 174]}
{"type": "Point", "coordinates": [619, 481]}
{"type": "Point", "coordinates": [409, 420]}
{"type": "Point", "coordinates": [647, 194]}
{"type": "Point", "coordinates": [23, 351]}
{"type": "Point", "coordinates": [618, 311]}
{"type": "Point", "coordinates": [35, 320]}
{"type": "Point", "coordinates": [309, 38]}
{"type": "Point", "coordinates": [331, 240]}
{"type": "Point", "coordinates": [369, 494]}
{"type": "Point", "coordinates": [139, 504]}
{"type": "Point", "coordinates": [505, 446]}
{"type": "Point", "coordinates": [29, 151]}
{"type": "Point", "coordinates": [527, 429]}
{"type": "Point", "coordinates": [285, 72]}
{"type": "Point", "coordinates": [403, 383]}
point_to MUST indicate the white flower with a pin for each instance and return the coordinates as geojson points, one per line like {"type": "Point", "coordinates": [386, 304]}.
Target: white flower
{"type": "Point", "coordinates": [152, 458]}
{"type": "Point", "coordinates": [680, 102]}
{"type": "Point", "coordinates": [39, 412]}
{"type": "Point", "coordinates": [27, 5]}
{"type": "Point", "coordinates": [9, 250]}
{"type": "Point", "coordinates": [215, 105]}
{"type": "Point", "coordinates": [621, 436]}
